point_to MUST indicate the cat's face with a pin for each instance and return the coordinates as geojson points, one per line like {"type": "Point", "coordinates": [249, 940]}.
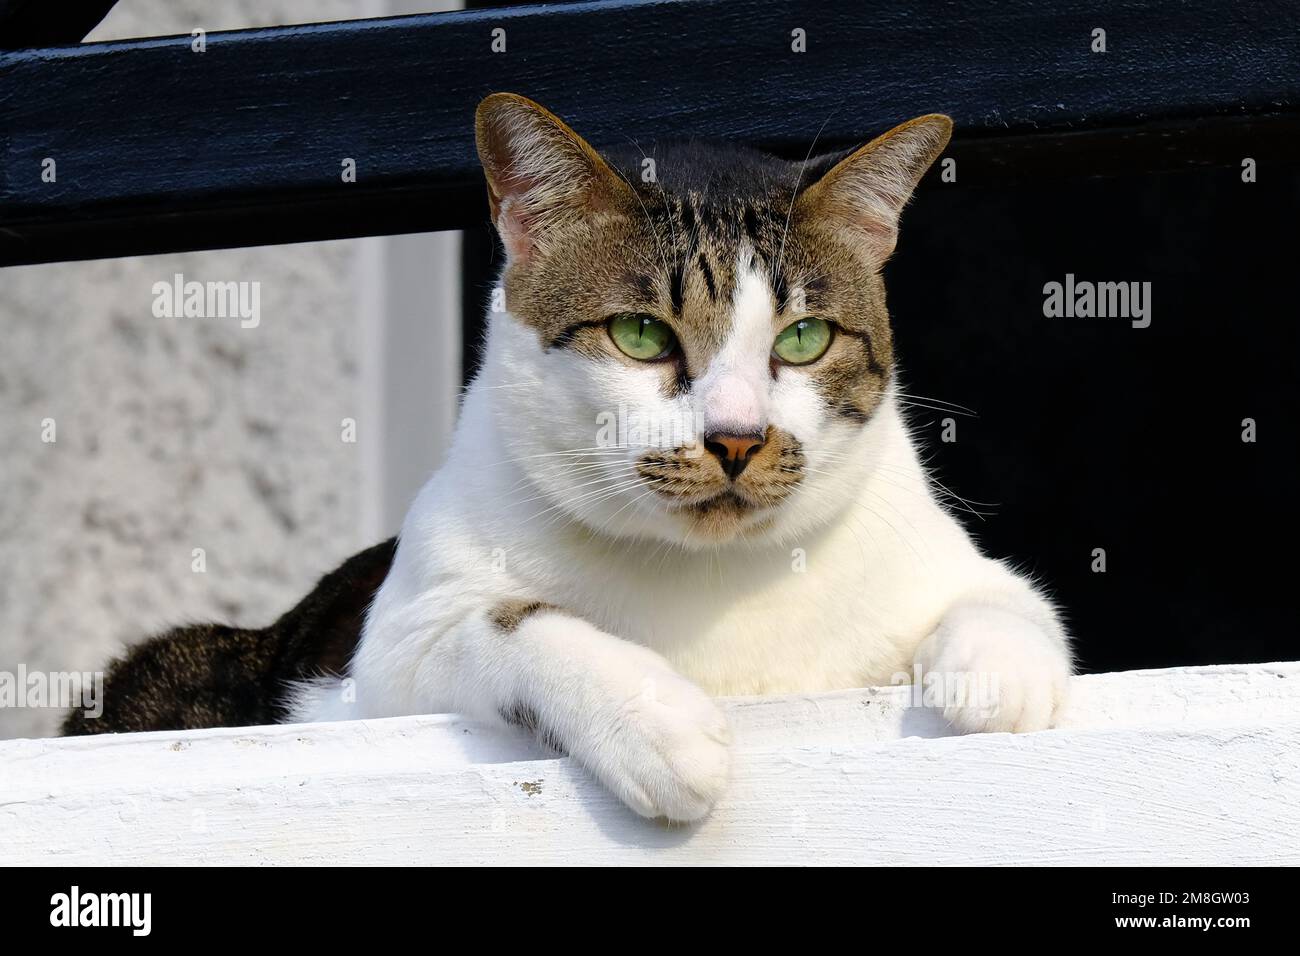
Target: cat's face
{"type": "Point", "coordinates": [693, 347]}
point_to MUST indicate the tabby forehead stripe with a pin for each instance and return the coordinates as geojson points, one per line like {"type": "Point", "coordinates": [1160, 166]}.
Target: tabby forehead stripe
{"type": "Point", "coordinates": [677, 287]}
{"type": "Point", "coordinates": [707, 273]}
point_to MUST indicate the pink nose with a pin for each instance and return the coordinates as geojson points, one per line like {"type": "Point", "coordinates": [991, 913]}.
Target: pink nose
{"type": "Point", "coordinates": [733, 452]}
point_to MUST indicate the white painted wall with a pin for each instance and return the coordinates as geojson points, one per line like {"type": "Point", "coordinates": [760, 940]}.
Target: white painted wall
{"type": "Point", "coordinates": [181, 434]}
{"type": "Point", "coordinates": [1197, 766]}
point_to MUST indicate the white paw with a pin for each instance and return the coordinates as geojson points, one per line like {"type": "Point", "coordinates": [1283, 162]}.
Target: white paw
{"type": "Point", "coordinates": [998, 671]}
{"type": "Point", "coordinates": [665, 749]}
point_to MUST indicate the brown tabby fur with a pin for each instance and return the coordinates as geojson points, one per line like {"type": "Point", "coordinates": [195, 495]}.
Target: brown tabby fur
{"type": "Point", "coordinates": [214, 675]}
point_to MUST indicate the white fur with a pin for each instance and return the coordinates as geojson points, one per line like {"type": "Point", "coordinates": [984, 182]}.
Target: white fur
{"type": "Point", "coordinates": [733, 391]}
{"type": "Point", "coordinates": [861, 576]}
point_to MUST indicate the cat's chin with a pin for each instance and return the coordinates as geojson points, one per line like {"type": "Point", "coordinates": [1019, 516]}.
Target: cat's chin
{"type": "Point", "coordinates": [724, 517]}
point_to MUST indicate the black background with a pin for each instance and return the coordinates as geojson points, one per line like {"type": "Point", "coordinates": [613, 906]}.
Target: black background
{"type": "Point", "coordinates": [1095, 434]}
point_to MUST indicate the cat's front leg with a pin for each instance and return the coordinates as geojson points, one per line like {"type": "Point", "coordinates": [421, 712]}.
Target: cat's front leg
{"type": "Point", "coordinates": [650, 735]}
{"type": "Point", "coordinates": [993, 666]}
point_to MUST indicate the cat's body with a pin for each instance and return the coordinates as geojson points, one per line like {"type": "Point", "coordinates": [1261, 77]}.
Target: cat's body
{"type": "Point", "coordinates": [599, 592]}
{"type": "Point", "coordinates": [844, 605]}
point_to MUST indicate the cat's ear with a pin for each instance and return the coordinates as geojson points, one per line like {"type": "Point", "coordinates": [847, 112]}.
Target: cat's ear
{"type": "Point", "coordinates": [866, 191]}
{"type": "Point", "coordinates": [540, 173]}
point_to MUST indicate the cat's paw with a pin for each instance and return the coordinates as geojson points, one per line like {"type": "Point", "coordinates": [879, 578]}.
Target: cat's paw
{"type": "Point", "coordinates": [666, 751]}
{"type": "Point", "coordinates": [998, 672]}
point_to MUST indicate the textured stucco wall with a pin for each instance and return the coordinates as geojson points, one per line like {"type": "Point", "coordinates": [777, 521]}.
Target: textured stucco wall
{"type": "Point", "coordinates": [172, 434]}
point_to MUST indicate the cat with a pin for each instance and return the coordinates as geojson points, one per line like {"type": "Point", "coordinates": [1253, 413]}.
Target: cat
{"type": "Point", "coordinates": [764, 527]}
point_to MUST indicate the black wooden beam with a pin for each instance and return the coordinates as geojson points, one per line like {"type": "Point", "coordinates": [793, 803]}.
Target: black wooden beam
{"type": "Point", "coordinates": [160, 148]}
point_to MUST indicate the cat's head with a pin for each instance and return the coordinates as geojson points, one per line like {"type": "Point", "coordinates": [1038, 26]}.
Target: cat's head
{"type": "Point", "coordinates": [693, 340]}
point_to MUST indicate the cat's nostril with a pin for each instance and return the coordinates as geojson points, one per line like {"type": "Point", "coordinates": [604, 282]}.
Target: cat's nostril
{"type": "Point", "coordinates": [733, 452]}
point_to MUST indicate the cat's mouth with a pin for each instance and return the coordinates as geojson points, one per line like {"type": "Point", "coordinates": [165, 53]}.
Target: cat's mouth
{"type": "Point", "coordinates": [730, 499]}
{"type": "Point", "coordinates": [727, 502]}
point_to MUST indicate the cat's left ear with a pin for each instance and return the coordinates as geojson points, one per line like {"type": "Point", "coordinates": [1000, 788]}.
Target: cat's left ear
{"type": "Point", "coordinates": [866, 191]}
{"type": "Point", "coordinates": [540, 173]}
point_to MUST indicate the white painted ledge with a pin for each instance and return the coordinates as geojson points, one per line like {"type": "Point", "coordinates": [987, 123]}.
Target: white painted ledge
{"type": "Point", "coordinates": [1183, 766]}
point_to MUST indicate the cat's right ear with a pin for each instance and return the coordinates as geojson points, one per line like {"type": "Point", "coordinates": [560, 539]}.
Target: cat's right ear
{"type": "Point", "coordinates": [540, 173]}
{"type": "Point", "coordinates": [865, 192]}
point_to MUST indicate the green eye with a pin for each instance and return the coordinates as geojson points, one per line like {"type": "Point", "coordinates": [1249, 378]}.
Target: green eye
{"type": "Point", "coordinates": [642, 336]}
{"type": "Point", "coordinates": [802, 342]}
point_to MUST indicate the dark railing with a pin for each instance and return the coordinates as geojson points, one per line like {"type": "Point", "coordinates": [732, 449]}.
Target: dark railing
{"type": "Point", "coordinates": [158, 148]}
